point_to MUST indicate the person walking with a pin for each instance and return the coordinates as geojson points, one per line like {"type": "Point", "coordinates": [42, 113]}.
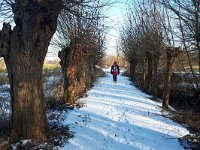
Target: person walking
{"type": "Point", "coordinates": [115, 71]}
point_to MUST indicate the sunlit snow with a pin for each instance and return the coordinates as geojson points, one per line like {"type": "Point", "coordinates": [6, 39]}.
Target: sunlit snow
{"type": "Point", "coordinates": [118, 116]}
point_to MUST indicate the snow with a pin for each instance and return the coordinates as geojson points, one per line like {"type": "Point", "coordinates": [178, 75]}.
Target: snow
{"type": "Point", "coordinates": [4, 99]}
{"type": "Point", "coordinates": [115, 116]}
{"type": "Point", "coordinates": [118, 116]}
{"type": "Point", "coordinates": [21, 143]}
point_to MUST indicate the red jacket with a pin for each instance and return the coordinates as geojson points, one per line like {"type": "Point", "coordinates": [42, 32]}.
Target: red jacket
{"type": "Point", "coordinates": [115, 70]}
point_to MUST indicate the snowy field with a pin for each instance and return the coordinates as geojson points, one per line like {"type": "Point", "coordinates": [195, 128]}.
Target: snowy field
{"type": "Point", "coordinates": [118, 116]}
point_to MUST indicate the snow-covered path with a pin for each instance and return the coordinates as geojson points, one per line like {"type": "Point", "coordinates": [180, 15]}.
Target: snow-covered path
{"type": "Point", "coordinates": [118, 116]}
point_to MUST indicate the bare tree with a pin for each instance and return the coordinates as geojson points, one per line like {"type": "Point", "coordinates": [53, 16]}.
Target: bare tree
{"type": "Point", "coordinates": [24, 48]}
{"type": "Point", "coordinates": [187, 22]}
{"type": "Point", "coordinates": [81, 39]}
{"type": "Point", "coordinates": [142, 40]}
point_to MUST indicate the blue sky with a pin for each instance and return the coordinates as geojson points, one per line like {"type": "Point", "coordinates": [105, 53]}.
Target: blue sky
{"type": "Point", "coordinates": [114, 22]}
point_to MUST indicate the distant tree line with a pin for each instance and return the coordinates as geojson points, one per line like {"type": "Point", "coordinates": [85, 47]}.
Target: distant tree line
{"type": "Point", "coordinates": [108, 60]}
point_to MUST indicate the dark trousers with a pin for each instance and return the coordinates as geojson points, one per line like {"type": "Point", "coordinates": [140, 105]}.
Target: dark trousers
{"type": "Point", "coordinates": [114, 77]}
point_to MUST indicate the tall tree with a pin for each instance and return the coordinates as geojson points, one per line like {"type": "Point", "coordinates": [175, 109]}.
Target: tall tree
{"type": "Point", "coordinates": [79, 36]}
{"type": "Point", "coordinates": [187, 24]}
{"type": "Point", "coordinates": [24, 48]}
{"type": "Point", "coordinates": [142, 41]}
{"type": "Point", "coordinates": [171, 54]}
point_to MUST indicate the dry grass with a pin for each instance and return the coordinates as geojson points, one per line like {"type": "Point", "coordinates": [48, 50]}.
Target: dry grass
{"type": "Point", "coordinates": [192, 121]}
{"type": "Point", "coordinates": [51, 67]}
{"type": "Point", "coordinates": [4, 145]}
{"type": "Point", "coordinates": [2, 65]}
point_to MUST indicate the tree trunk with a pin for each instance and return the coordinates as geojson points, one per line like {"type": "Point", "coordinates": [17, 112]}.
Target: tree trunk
{"type": "Point", "coordinates": [144, 70]}
{"type": "Point", "coordinates": [149, 79]}
{"type": "Point", "coordinates": [78, 70]}
{"type": "Point", "coordinates": [167, 84]}
{"type": "Point", "coordinates": [197, 30]}
{"type": "Point", "coordinates": [65, 56]}
{"type": "Point", "coordinates": [155, 77]}
{"type": "Point", "coordinates": [35, 24]}
{"type": "Point", "coordinates": [133, 65]}
{"type": "Point", "coordinates": [171, 54]}
{"type": "Point", "coordinates": [28, 116]}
